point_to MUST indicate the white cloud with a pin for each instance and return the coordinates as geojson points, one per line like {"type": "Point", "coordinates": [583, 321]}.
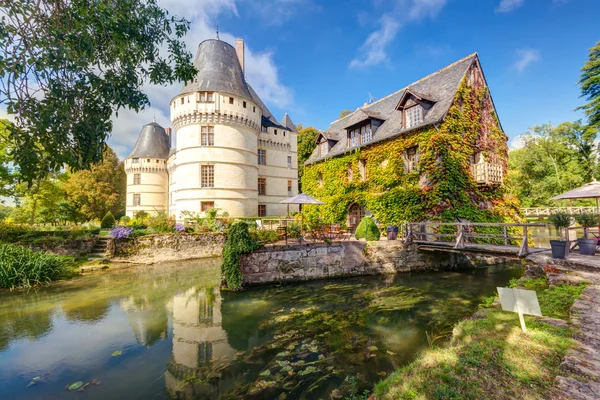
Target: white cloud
{"type": "Point", "coordinates": [509, 5]}
{"type": "Point", "coordinates": [374, 50]}
{"type": "Point", "coordinates": [524, 58]}
{"type": "Point", "coordinates": [261, 71]}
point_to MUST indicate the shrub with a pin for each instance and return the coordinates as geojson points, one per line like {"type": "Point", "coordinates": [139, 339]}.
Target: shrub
{"type": "Point", "coordinates": [587, 220]}
{"type": "Point", "coordinates": [264, 236]}
{"type": "Point", "coordinates": [161, 223]}
{"type": "Point", "coordinates": [121, 232]}
{"type": "Point", "coordinates": [10, 233]}
{"type": "Point", "coordinates": [108, 221]}
{"type": "Point", "coordinates": [140, 232]}
{"type": "Point", "coordinates": [560, 219]}
{"type": "Point", "coordinates": [238, 242]}
{"type": "Point", "coordinates": [141, 215]}
{"type": "Point", "coordinates": [124, 220]}
{"type": "Point", "coordinates": [367, 229]}
{"type": "Point", "coordinates": [21, 267]}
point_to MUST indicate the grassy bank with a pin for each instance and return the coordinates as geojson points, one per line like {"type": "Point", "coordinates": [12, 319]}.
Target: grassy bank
{"type": "Point", "coordinates": [490, 357]}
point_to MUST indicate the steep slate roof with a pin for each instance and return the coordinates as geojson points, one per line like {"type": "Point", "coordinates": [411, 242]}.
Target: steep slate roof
{"type": "Point", "coordinates": [287, 122]}
{"type": "Point", "coordinates": [268, 119]}
{"type": "Point", "coordinates": [152, 142]}
{"type": "Point", "coordinates": [219, 70]}
{"type": "Point", "coordinates": [441, 86]}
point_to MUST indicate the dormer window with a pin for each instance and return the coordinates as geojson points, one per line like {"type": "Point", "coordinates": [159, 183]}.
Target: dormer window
{"type": "Point", "coordinates": [354, 137]}
{"type": "Point", "coordinates": [360, 135]}
{"type": "Point", "coordinates": [366, 133]}
{"type": "Point", "coordinates": [323, 148]}
{"type": "Point", "coordinates": [413, 116]}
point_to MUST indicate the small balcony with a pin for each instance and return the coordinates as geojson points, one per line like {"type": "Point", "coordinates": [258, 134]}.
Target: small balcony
{"type": "Point", "coordinates": [485, 173]}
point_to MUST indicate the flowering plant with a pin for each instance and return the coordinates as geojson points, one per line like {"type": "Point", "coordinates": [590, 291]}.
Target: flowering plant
{"type": "Point", "coordinates": [121, 232]}
{"type": "Point", "coordinates": [179, 228]}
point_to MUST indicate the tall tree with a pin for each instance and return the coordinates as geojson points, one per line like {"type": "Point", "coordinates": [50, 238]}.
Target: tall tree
{"type": "Point", "coordinates": [581, 139]}
{"type": "Point", "coordinates": [40, 199]}
{"type": "Point", "coordinates": [307, 138]}
{"type": "Point", "coordinates": [590, 85]}
{"type": "Point", "coordinates": [100, 189]}
{"type": "Point", "coordinates": [67, 65]}
{"type": "Point", "coordinates": [8, 175]}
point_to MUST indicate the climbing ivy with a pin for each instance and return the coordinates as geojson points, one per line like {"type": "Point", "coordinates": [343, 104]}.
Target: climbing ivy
{"type": "Point", "coordinates": [441, 188]}
{"type": "Point", "coordinates": [238, 242]}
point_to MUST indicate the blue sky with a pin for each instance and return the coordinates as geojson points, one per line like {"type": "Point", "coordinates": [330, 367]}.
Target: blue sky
{"type": "Point", "coordinates": [313, 59]}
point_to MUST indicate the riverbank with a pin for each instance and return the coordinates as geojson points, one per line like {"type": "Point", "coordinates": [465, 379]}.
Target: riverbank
{"type": "Point", "coordinates": [490, 357]}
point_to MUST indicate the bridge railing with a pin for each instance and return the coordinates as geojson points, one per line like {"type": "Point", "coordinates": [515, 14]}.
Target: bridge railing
{"type": "Point", "coordinates": [546, 211]}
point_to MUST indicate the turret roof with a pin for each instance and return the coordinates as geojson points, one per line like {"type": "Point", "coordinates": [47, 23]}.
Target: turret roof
{"type": "Point", "coordinates": [152, 142]}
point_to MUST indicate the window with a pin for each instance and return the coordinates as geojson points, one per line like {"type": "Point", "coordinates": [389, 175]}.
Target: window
{"type": "Point", "coordinates": [354, 137]}
{"type": "Point", "coordinates": [206, 205]}
{"type": "Point", "coordinates": [137, 179]}
{"type": "Point", "coordinates": [207, 176]}
{"type": "Point", "coordinates": [136, 160]}
{"type": "Point", "coordinates": [366, 134]}
{"type": "Point", "coordinates": [182, 99]}
{"type": "Point", "coordinates": [157, 161]}
{"type": "Point", "coordinates": [264, 128]}
{"type": "Point", "coordinates": [148, 160]}
{"type": "Point", "coordinates": [283, 133]}
{"type": "Point", "coordinates": [289, 187]}
{"type": "Point", "coordinates": [413, 116]}
{"type": "Point", "coordinates": [323, 148]}
{"type": "Point", "coordinates": [137, 199]}
{"type": "Point", "coordinates": [262, 210]}
{"type": "Point", "coordinates": [362, 169]}
{"type": "Point", "coordinates": [262, 186]}
{"type": "Point", "coordinates": [262, 157]}
{"type": "Point", "coordinates": [231, 100]}
{"type": "Point", "coordinates": [275, 131]}
{"type": "Point", "coordinates": [350, 174]}
{"type": "Point", "coordinates": [254, 109]}
{"type": "Point", "coordinates": [412, 158]}
{"type": "Point", "coordinates": [207, 97]}
{"type": "Point", "coordinates": [244, 104]}
{"type": "Point", "coordinates": [289, 161]}
{"type": "Point", "coordinates": [207, 135]}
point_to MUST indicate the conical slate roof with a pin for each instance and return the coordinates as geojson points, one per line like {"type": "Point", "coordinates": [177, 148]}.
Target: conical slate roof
{"type": "Point", "coordinates": [152, 142]}
{"type": "Point", "coordinates": [287, 122]}
{"type": "Point", "coordinates": [219, 70]}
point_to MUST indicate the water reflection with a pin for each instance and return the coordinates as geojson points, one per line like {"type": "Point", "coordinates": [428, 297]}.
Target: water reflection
{"type": "Point", "coordinates": [180, 337]}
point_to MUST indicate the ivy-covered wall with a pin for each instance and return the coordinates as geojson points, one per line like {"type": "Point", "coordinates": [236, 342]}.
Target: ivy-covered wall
{"type": "Point", "coordinates": [440, 188]}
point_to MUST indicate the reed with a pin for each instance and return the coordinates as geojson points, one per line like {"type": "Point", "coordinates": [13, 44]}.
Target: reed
{"type": "Point", "coordinates": [21, 267]}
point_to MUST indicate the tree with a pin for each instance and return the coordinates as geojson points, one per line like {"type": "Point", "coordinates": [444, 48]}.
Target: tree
{"type": "Point", "coordinates": [344, 112]}
{"type": "Point", "coordinates": [590, 85]}
{"type": "Point", "coordinates": [307, 138]}
{"type": "Point", "coordinates": [100, 189]}
{"type": "Point", "coordinates": [8, 175]}
{"type": "Point", "coordinates": [67, 65]}
{"type": "Point", "coordinates": [40, 199]}
{"type": "Point", "coordinates": [581, 139]}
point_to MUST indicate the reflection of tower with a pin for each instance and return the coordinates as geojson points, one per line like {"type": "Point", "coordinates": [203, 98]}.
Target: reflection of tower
{"type": "Point", "coordinates": [149, 322]}
{"type": "Point", "coordinates": [200, 344]}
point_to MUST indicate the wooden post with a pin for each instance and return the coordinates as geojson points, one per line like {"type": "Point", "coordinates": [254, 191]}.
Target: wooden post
{"type": "Point", "coordinates": [505, 235]}
{"type": "Point", "coordinates": [524, 246]}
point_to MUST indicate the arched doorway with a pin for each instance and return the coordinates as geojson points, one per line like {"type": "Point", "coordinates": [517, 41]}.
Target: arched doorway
{"type": "Point", "coordinates": [355, 213]}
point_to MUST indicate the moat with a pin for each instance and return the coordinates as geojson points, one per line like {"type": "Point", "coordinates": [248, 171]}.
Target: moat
{"type": "Point", "coordinates": [167, 331]}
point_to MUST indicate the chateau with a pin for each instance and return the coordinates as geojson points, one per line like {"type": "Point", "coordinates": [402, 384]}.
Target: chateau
{"type": "Point", "coordinates": [433, 150]}
{"type": "Point", "coordinates": [227, 150]}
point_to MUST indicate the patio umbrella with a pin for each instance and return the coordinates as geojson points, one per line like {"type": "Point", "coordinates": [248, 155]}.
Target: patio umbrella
{"type": "Point", "coordinates": [301, 198]}
{"type": "Point", "coordinates": [588, 191]}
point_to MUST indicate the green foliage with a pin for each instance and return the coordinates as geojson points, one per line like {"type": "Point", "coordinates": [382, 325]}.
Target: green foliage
{"type": "Point", "coordinates": [21, 267]}
{"type": "Point", "coordinates": [560, 219]}
{"type": "Point", "coordinates": [590, 85]}
{"type": "Point", "coordinates": [344, 113]}
{"type": "Point", "coordinates": [108, 221]}
{"type": "Point", "coordinates": [552, 160]}
{"type": "Point", "coordinates": [124, 220]}
{"type": "Point", "coordinates": [12, 233]}
{"type": "Point", "coordinates": [85, 63]}
{"type": "Point", "coordinates": [213, 220]}
{"type": "Point", "coordinates": [367, 229]}
{"type": "Point", "coordinates": [587, 220]}
{"type": "Point", "coordinates": [8, 175]}
{"type": "Point", "coordinates": [441, 187]}
{"type": "Point", "coordinates": [161, 223]}
{"type": "Point", "coordinates": [264, 235]}
{"type": "Point", "coordinates": [307, 141]}
{"type": "Point", "coordinates": [238, 242]}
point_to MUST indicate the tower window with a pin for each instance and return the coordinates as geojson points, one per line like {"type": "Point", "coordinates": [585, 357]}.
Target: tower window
{"type": "Point", "coordinates": [262, 210]}
{"type": "Point", "coordinates": [136, 160]}
{"type": "Point", "coordinates": [206, 97]}
{"type": "Point", "coordinates": [137, 199]}
{"type": "Point", "coordinates": [137, 179]}
{"type": "Point", "coordinates": [207, 176]}
{"type": "Point", "coordinates": [244, 104]}
{"type": "Point", "coordinates": [283, 133]}
{"type": "Point", "coordinates": [262, 157]}
{"type": "Point", "coordinates": [231, 100]}
{"type": "Point", "coordinates": [289, 161]}
{"type": "Point", "coordinates": [275, 131]}
{"type": "Point", "coordinates": [206, 205]}
{"type": "Point", "coordinates": [264, 128]}
{"type": "Point", "coordinates": [207, 136]}
{"type": "Point", "coordinates": [182, 100]}
{"type": "Point", "coordinates": [254, 109]}
{"type": "Point", "coordinates": [289, 187]}
{"type": "Point", "coordinates": [262, 186]}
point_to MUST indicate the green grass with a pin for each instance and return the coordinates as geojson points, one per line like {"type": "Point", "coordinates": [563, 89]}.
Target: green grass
{"type": "Point", "coordinates": [21, 267]}
{"type": "Point", "coordinates": [490, 357]}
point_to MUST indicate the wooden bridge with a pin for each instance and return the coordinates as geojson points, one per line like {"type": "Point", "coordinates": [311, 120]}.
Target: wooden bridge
{"type": "Point", "coordinates": [546, 211]}
{"type": "Point", "coordinates": [496, 238]}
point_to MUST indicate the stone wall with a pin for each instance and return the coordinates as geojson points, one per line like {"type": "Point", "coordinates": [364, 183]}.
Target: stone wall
{"type": "Point", "coordinates": [279, 263]}
{"type": "Point", "coordinates": [152, 249]}
{"type": "Point", "coordinates": [67, 247]}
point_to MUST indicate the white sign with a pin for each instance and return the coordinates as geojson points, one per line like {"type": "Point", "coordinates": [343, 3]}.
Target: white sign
{"type": "Point", "coordinates": [520, 301]}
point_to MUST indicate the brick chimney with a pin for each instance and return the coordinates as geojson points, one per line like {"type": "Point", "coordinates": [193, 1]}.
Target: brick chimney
{"type": "Point", "coordinates": [239, 49]}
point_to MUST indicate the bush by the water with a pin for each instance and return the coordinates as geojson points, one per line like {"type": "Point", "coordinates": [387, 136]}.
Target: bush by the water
{"type": "Point", "coordinates": [108, 221]}
{"type": "Point", "coordinates": [238, 242]}
{"type": "Point", "coordinates": [21, 267]}
{"type": "Point", "coordinates": [367, 229]}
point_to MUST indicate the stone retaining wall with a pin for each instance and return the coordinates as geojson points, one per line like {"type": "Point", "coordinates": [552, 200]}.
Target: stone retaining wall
{"type": "Point", "coordinates": [67, 247]}
{"type": "Point", "coordinates": [152, 249]}
{"type": "Point", "coordinates": [278, 263]}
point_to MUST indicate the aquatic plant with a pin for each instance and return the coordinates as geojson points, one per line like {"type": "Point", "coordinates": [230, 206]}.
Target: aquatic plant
{"type": "Point", "coordinates": [121, 232]}
{"type": "Point", "coordinates": [238, 242]}
{"type": "Point", "coordinates": [21, 267]}
{"type": "Point", "coordinates": [367, 229]}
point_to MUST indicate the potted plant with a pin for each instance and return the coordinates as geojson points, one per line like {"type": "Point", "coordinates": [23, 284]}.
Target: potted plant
{"type": "Point", "coordinates": [561, 220]}
{"type": "Point", "coordinates": [587, 220]}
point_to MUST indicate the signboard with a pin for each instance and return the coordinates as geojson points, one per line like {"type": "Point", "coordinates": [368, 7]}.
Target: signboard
{"type": "Point", "coordinates": [520, 301]}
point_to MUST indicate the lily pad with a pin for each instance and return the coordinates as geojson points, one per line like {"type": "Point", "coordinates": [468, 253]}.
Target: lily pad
{"type": "Point", "coordinates": [75, 386]}
{"type": "Point", "coordinates": [116, 353]}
